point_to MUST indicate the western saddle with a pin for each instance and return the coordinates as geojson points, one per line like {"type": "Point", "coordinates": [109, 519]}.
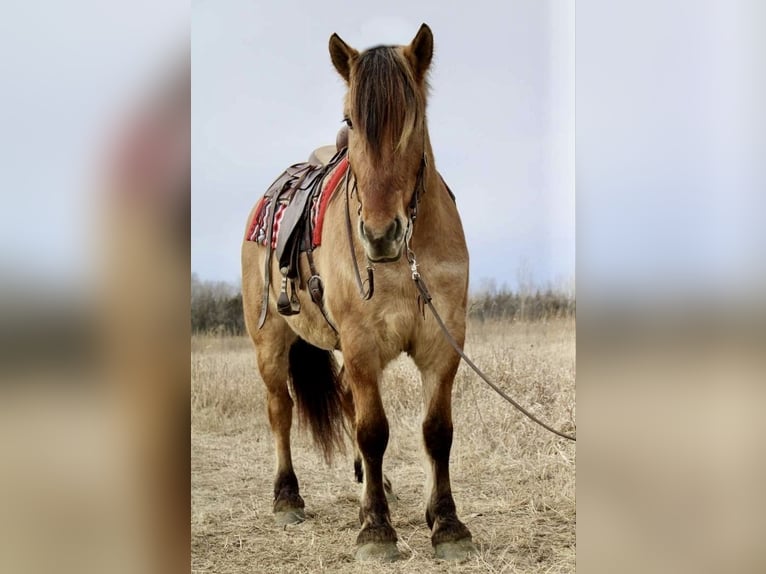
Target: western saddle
{"type": "Point", "coordinates": [299, 186]}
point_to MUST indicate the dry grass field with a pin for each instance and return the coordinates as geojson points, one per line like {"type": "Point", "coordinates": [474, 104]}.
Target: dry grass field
{"type": "Point", "coordinates": [514, 483]}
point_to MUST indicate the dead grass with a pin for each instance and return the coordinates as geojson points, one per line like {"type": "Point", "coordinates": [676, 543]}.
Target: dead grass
{"type": "Point", "coordinates": [514, 483]}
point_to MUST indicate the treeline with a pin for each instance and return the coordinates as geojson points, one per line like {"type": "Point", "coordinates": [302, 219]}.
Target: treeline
{"type": "Point", "coordinates": [508, 305]}
{"type": "Point", "coordinates": [216, 307]}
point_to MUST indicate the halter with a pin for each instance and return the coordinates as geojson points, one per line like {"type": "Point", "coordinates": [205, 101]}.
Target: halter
{"type": "Point", "coordinates": [412, 214]}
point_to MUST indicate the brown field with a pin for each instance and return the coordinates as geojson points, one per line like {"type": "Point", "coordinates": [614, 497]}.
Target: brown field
{"type": "Point", "coordinates": [514, 483]}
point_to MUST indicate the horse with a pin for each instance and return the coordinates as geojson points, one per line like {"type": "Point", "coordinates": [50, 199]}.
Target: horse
{"type": "Point", "coordinates": [399, 205]}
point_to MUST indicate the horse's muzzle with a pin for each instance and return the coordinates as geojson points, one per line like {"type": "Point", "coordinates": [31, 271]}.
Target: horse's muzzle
{"type": "Point", "coordinates": [383, 247]}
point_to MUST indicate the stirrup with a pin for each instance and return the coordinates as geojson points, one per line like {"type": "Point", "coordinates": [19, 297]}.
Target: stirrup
{"type": "Point", "coordinates": [288, 305]}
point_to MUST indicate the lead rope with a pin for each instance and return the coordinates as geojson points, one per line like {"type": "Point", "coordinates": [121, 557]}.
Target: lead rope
{"type": "Point", "coordinates": [365, 295]}
{"type": "Point", "coordinates": [425, 297]}
{"type": "Point", "coordinates": [424, 294]}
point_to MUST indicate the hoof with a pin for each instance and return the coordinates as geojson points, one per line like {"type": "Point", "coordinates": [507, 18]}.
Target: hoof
{"type": "Point", "coordinates": [292, 516]}
{"type": "Point", "coordinates": [455, 551]}
{"type": "Point", "coordinates": [378, 551]}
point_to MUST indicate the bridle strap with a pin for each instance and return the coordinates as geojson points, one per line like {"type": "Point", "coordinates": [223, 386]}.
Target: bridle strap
{"type": "Point", "coordinates": [418, 192]}
{"type": "Point", "coordinates": [420, 189]}
{"type": "Point", "coordinates": [365, 294]}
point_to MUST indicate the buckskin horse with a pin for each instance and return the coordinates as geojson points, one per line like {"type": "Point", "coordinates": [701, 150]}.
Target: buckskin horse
{"type": "Point", "coordinates": [376, 203]}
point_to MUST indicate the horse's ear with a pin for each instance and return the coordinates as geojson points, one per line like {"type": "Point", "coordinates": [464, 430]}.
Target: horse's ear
{"type": "Point", "coordinates": [341, 54]}
{"type": "Point", "coordinates": [420, 51]}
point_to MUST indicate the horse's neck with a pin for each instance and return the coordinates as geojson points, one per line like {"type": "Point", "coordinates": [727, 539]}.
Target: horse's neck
{"type": "Point", "coordinates": [431, 208]}
{"type": "Point", "coordinates": [437, 231]}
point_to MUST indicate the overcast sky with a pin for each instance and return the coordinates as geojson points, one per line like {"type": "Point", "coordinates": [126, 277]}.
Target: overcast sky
{"type": "Point", "coordinates": [67, 70]}
{"type": "Point", "coordinates": [501, 118]}
{"type": "Point", "coordinates": [670, 125]}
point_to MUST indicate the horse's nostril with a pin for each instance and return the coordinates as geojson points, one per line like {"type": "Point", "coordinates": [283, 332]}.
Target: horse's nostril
{"type": "Point", "coordinates": [392, 233]}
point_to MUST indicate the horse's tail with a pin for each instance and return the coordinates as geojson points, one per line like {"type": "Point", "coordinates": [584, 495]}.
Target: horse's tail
{"type": "Point", "coordinates": [316, 386]}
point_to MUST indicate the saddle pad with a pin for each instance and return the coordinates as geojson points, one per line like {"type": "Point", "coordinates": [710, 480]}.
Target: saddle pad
{"type": "Point", "coordinates": [258, 228]}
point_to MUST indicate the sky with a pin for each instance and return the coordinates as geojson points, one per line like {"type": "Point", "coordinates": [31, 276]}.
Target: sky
{"type": "Point", "coordinates": [67, 71]}
{"type": "Point", "coordinates": [501, 119]}
{"type": "Point", "coordinates": [668, 149]}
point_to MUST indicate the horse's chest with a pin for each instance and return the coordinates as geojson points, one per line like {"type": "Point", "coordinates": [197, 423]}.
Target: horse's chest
{"type": "Point", "coordinates": [393, 328]}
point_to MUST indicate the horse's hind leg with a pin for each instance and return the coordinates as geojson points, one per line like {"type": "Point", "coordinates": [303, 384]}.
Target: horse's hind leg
{"type": "Point", "coordinates": [450, 538]}
{"type": "Point", "coordinates": [272, 344]}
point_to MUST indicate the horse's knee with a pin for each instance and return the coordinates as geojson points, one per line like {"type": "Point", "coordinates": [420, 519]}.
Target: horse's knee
{"type": "Point", "coordinates": [370, 417]}
{"type": "Point", "coordinates": [437, 435]}
{"type": "Point", "coordinates": [372, 435]}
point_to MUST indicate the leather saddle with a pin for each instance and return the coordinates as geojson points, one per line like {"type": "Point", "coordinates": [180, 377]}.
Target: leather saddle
{"type": "Point", "coordinates": [298, 187]}
{"type": "Point", "coordinates": [323, 155]}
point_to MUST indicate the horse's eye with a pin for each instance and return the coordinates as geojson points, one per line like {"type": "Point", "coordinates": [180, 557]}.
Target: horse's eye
{"type": "Point", "coordinates": [347, 121]}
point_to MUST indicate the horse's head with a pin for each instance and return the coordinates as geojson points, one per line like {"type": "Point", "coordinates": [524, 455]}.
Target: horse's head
{"type": "Point", "coordinates": [385, 110]}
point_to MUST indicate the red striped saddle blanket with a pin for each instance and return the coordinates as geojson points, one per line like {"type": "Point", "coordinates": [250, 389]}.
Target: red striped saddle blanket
{"type": "Point", "coordinates": [296, 200]}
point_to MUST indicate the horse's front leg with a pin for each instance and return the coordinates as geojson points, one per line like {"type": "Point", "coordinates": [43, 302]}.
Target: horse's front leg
{"type": "Point", "coordinates": [377, 538]}
{"type": "Point", "coordinates": [347, 402]}
{"type": "Point", "coordinates": [450, 538]}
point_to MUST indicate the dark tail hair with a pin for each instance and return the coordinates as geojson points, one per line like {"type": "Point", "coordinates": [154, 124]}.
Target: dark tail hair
{"type": "Point", "coordinates": [316, 387]}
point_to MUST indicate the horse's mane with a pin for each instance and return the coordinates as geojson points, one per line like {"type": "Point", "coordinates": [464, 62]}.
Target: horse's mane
{"type": "Point", "coordinates": [386, 99]}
